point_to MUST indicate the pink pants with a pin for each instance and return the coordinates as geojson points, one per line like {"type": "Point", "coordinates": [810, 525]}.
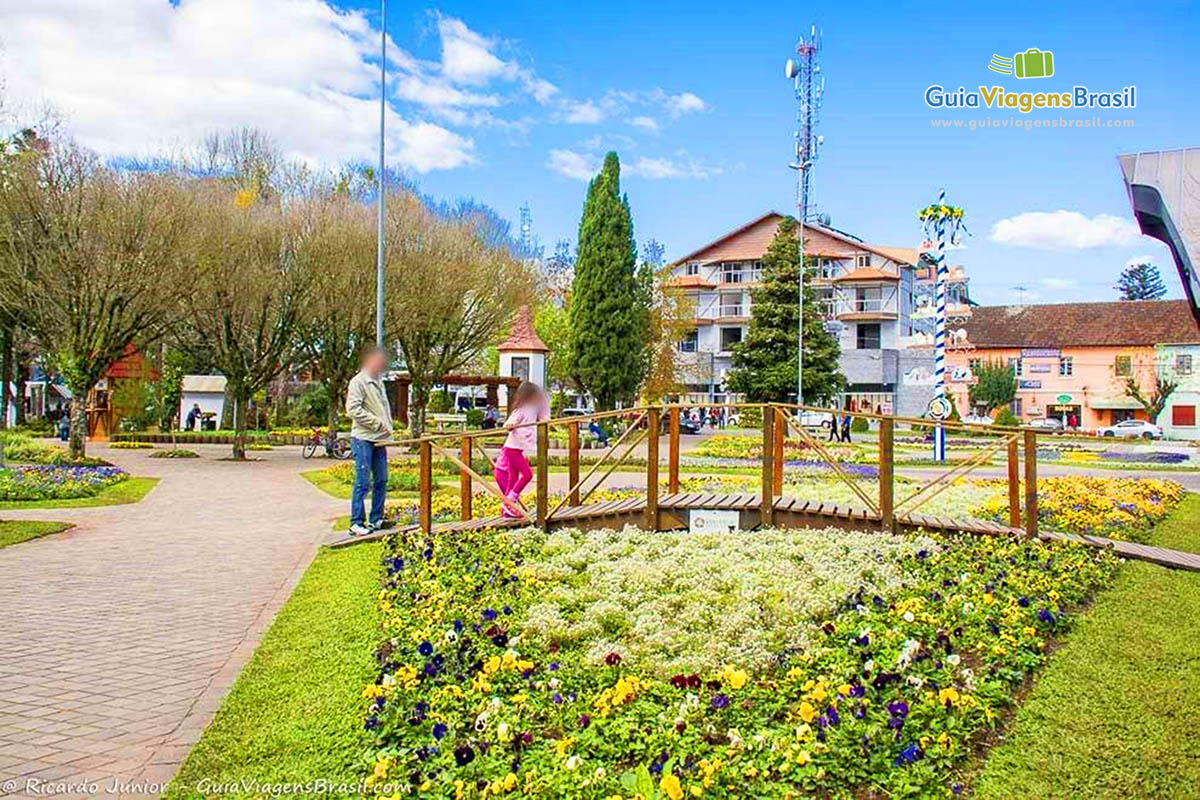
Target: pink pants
{"type": "Point", "coordinates": [513, 472]}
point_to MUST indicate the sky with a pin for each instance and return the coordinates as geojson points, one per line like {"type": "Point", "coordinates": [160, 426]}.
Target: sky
{"type": "Point", "coordinates": [516, 102]}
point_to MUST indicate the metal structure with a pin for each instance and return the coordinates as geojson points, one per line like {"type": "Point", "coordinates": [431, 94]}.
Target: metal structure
{"type": "Point", "coordinates": [379, 246]}
{"type": "Point", "coordinates": [942, 223]}
{"type": "Point", "coordinates": [808, 86]}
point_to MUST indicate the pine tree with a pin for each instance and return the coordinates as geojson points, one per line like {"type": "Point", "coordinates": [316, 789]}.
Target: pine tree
{"type": "Point", "coordinates": [764, 363]}
{"type": "Point", "coordinates": [1140, 281]}
{"type": "Point", "coordinates": [608, 309]}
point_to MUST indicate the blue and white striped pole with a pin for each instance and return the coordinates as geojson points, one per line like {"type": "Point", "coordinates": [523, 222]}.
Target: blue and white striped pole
{"type": "Point", "coordinates": [939, 335]}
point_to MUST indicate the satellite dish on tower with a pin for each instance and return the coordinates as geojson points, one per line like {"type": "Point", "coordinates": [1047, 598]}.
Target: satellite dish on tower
{"type": "Point", "coordinates": [791, 68]}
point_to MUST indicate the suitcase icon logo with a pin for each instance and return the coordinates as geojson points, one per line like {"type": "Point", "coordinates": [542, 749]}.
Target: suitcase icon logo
{"type": "Point", "coordinates": [1033, 63]}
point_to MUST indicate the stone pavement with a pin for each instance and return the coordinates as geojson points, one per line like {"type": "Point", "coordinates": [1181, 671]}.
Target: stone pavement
{"type": "Point", "coordinates": [120, 637]}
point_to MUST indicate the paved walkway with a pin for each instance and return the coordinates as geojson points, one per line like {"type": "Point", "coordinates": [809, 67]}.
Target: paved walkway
{"type": "Point", "coordinates": [120, 637]}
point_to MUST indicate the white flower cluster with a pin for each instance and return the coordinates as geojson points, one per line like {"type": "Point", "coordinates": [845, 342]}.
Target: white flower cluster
{"type": "Point", "coordinates": [683, 602]}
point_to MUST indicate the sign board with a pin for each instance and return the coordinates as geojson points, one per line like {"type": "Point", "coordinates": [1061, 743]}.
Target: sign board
{"type": "Point", "coordinates": [1063, 398]}
{"type": "Point", "coordinates": [885, 407]}
{"type": "Point", "coordinates": [1029, 385]}
{"type": "Point", "coordinates": [1040, 352]}
{"type": "Point", "coordinates": [960, 374]}
{"type": "Point", "coordinates": [939, 408]}
{"type": "Point", "coordinates": [1040, 368]}
{"type": "Point", "coordinates": [713, 521]}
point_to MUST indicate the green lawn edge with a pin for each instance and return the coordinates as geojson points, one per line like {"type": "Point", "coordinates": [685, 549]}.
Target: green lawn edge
{"type": "Point", "coordinates": [294, 715]}
{"type": "Point", "coordinates": [1114, 714]}
{"type": "Point", "coordinates": [15, 531]}
{"type": "Point", "coordinates": [123, 493]}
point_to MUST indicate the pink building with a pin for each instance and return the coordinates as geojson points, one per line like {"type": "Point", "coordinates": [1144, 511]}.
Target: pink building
{"type": "Point", "coordinates": [1072, 360]}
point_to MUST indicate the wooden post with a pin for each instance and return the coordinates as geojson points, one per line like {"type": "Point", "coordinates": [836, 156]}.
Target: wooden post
{"type": "Point", "coordinates": [767, 507]}
{"type": "Point", "coordinates": [573, 462]}
{"type": "Point", "coordinates": [887, 476]}
{"type": "Point", "coordinates": [673, 450]}
{"type": "Point", "coordinates": [543, 474]}
{"type": "Point", "coordinates": [425, 487]}
{"type": "Point", "coordinates": [1031, 503]}
{"type": "Point", "coordinates": [777, 449]}
{"type": "Point", "coordinates": [652, 433]}
{"type": "Point", "coordinates": [1014, 485]}
{"type": "Point", "coordinates": [464, 481]}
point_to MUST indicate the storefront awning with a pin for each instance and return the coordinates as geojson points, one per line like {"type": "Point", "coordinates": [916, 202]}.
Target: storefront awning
{"type": "Point", "coordinates": [1116, 404]}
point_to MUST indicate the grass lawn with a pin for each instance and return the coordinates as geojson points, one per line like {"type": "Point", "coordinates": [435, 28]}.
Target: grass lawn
{"type": "Point", "coordinates": [16, 531]}
{"type": "Point", "coordinates": [129, 491]}
{"type": "Point", "coordinates": [1114, 713]}
{"type": "Point", "coordinates": [342, 491]}
{"type": "Point", "coordinates": [294, 714]}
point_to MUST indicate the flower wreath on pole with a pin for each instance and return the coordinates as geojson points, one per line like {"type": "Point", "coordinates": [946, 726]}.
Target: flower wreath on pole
{"type": "Point", "coordinates": [950, 216]}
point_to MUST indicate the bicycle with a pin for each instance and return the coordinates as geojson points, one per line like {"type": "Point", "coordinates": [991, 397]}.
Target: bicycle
{"type": "Point", "coordinates": [335, 447]}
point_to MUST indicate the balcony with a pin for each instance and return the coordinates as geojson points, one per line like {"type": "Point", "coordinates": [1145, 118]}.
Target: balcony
{"type": "Point", "coordinates": [739, 310]}
{"type": "Point", "coordinates": [866, 308]}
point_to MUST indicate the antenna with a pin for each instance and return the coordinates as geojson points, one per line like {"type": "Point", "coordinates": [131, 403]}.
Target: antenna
{"type": "Point", "coordinates": [1020, 290]}
{"type": "Point", "coordinates": [809, 86]}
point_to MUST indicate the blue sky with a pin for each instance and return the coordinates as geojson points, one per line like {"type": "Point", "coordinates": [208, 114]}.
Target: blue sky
{"type": "Point", "coordinates": [513, 102]}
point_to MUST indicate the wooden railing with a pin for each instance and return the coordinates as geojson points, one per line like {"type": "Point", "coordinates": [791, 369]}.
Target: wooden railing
{"type": "Point", "coordinates": [779, 420]}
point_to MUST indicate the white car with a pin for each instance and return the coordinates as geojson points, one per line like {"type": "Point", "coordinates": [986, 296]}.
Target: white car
{"type": "Point", "coordinates": [815, 419]}
{"type": "Point", "coordinates": [1132, 428]}
{"type": "Point", "coordinates": [977, 419]}
{"type": "Point", "coordinates": [1046, 424]}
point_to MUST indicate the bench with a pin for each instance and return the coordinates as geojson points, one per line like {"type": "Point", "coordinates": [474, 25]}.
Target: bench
{"type": "Point", "coordinates": [441, 421]}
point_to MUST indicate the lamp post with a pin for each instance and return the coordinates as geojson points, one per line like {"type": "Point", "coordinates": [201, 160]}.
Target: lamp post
{"type": "Point", "coordinates": [379, 177]}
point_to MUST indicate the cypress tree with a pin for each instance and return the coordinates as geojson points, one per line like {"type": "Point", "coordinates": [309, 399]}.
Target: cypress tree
{"type": "Point", "coordinates": [608, 311]}
{"type": "Point", "coordinates": [764, 363]}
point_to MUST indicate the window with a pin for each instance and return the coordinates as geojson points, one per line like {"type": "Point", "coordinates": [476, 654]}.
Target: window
{"type": "Point", "coordinates": [690, 342]}
{"type": "Point", "coordinates": [1066, 366]}
{"type": "Point", "coordinates": [868, 336]}
{"type": "Point", "coordinates": [827, 268]}
{"type": "Point", "coordinates": [1183, 365]}
{"type": "Point", "coordinates": [862, 260]}
{"type": "Point", "coordinates": [1123, 366]}
{"type": "Point", "coordinates": [731, 272]}
{"type": "Point", "coordinates": [1183, 416]}
{"type": "Point", "coordinates": [692, 268]}
{"type": "Point", "coordinates": [1017, 365]}
{"type": "Point", "coordinates": [520, 367]}
{"type": "Point", "coordinates": [730, 337]}
{"type": "Point", "coordinates": [974, 364]}
{"type": "Point", "coordinates": [1015, 407]}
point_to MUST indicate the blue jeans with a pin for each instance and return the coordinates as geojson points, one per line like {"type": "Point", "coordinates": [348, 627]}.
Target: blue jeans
{"type": "Point", "coordinates": [370, 471]}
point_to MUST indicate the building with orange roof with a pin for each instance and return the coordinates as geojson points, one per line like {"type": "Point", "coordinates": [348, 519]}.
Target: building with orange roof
{"type": "Point", "coordinates": [866, 292]}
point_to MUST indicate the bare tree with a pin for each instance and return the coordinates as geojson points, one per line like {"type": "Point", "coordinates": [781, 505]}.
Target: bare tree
{"type": "Point", "coordinates": [450, 294]}
{"type": "Point", "coordinates": [248, 286]}
{"type": "Point", "coordinates": [91, 257]}
{"type": "Point", "coordinates": [339, 320]}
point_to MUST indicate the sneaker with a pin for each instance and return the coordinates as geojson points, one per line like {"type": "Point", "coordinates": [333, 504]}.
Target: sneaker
{"type": "Point", "coordinates": [382, 525]}
{"type": "Point", "coordinates": [359, 530]}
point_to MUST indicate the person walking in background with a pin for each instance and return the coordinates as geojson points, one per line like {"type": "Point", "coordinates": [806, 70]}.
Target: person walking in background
{"type": "Point", "coordinates": [513, 472]}
{"type": "Point", "coordinates": [846, 427]}
{"type": "Point", "coordinates": [491, 417]}
{"type": "Point", "coordinates": [193, 418]}
{"type": "Point", "coordinates": [370, 425]}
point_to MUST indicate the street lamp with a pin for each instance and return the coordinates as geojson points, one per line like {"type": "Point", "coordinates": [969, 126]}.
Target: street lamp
{"type": "Point", "coordinates": [379, 176]}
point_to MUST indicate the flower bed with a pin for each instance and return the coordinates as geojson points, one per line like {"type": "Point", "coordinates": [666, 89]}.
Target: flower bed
{"type": "Point", "coordinates": [175, 453]}
{"type": "Point", "coordinates": [132, 445]}
{"type": "Point", "coordinates": [1116, 508]}
{"type": "Point", "coordinates": [56, 482]}
{"type": "Point", "coordinates": [750, 447]}
{"type": "Point", "coordinates": [864, 665]}
{"type": "Point", "coordinates": [21, 449]}
{"type": "Point", "coordinates": [402, 474]}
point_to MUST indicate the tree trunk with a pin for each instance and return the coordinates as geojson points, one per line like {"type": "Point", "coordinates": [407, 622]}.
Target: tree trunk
{"type": "Point", "coordinates": [21, 380]}
{"type": "Point", "coordinates": [6, 370]}
{"type": "Point", "coordinates": [77, 441]}
{"type": "Point", "coordinates": [416, 413]}
{"type": "Point", "coordinates": [336, 393]}
{"type": "Point", "coordinates": [241, 400]}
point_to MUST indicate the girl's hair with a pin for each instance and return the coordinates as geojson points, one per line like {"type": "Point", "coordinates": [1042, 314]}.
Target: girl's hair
{"type": "Point", "coordinates": [526, 392]}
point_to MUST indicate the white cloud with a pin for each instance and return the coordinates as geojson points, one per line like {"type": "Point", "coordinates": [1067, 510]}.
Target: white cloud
{"type": "Point", "coordinates": [582, 166]}
{"type": "Point", "coordinates": [646, 123]}
{"type": "Point", "coordinates": [682, 103]}
{"type": "Point", "coordinates": [582, 113]}
{"type": "Point", "coordinates": [1064, 230]}
{"type": "Point", "coordinates": [140, 75]}
{"type": "Point", "coordinates": [469, 58]}
{"type": "Point", "coordinates": [574, 165]}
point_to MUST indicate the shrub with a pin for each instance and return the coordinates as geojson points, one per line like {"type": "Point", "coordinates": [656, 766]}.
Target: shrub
{"type": "Point", "coordinates": [20, 449]}
{"type": "Point", "coordinates": [174, 453]}
{"type": "Point", "coordinates": [1006, 418]}
{"type": "Point", "coordinates": [750, 417]}
{"type": "Point", "coordinates": [474, 417]}
{"type": "Point", "coordinates": [440, 402]}
{"type": "Point", "coordinates": [860, 425]}
{"type": "Point", "coordinates": [131, 445]}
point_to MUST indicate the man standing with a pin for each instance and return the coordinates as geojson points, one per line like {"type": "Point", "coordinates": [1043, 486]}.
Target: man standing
{"type": "Point", "coordinates": [371, 423]}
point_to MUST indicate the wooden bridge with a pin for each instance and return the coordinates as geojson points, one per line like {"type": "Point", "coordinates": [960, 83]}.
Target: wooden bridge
{"type": "Point", "coordinates": [673, 509]}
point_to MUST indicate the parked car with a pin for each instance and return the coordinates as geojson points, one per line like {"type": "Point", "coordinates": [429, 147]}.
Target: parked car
{"type": "Point", "coordinates": [815, 419]}
{"type": "Point", "coordinates": [1045, 424]}
{"type": "Point", "coordinates": [1132, 428]}
{"type": "Point", "coordinates": [977, 419]}
{"type": "Point", "coordinates": [576, 412]}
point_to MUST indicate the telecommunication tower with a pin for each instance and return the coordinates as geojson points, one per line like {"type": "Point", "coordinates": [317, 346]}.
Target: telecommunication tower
{"type": "Point", "coordinates": [809, 86]}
